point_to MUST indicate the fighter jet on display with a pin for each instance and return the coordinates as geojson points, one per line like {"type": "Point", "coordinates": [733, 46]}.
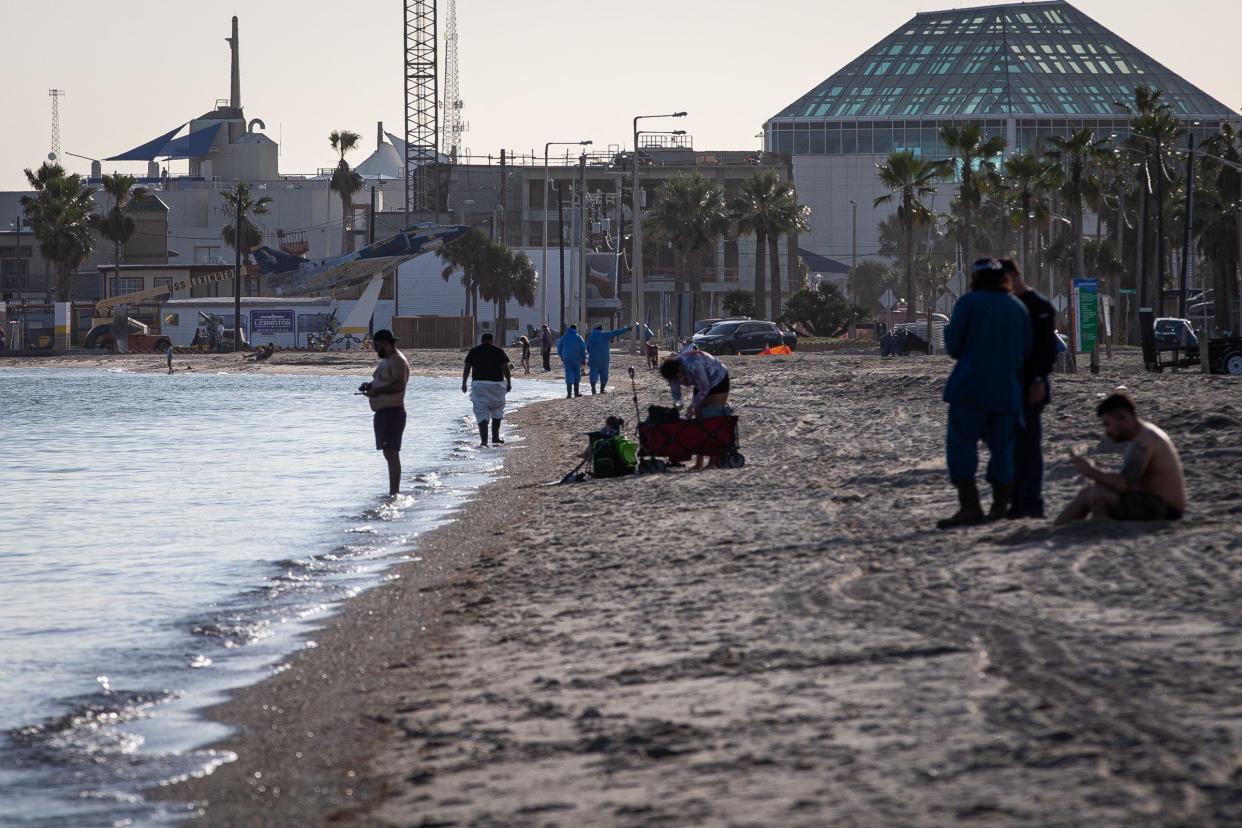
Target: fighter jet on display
{"type": "Point", "coordinates": [290, 275]}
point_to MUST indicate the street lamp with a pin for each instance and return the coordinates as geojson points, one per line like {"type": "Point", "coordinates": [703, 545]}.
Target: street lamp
{"type": "Point", "coordinates": [543, 281]}
{"type": "Point", "coordinates": [636, 268]}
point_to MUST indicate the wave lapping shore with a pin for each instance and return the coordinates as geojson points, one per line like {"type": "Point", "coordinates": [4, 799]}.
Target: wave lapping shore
{"type": "Point", "coordinates": [791, 643]}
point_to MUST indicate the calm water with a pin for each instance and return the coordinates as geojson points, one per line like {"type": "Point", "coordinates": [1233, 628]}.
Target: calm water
{"type": "Point", "coordinates": [166, 538]}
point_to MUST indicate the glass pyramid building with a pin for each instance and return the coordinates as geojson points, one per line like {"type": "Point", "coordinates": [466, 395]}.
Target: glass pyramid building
{"type": "Point", "coordinates": [1024, 71]}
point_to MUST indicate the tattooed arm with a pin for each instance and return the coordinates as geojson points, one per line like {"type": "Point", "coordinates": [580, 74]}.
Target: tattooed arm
{"type": "Point", "coordinates": [1133, 467]}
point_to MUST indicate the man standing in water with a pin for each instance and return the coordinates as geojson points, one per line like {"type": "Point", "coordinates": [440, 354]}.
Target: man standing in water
{"type": "Point", "coordinates": [386, 393]}
{"type": "Point", "coordinates": [492, 380]}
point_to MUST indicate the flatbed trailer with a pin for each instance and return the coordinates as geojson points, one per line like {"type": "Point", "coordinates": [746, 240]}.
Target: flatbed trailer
{"type": "Point", "coordinates": [1224, 352]}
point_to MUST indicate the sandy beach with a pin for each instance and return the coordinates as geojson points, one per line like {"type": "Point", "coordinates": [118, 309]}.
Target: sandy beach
{"type": "Point", "coordinates": [788, 644]}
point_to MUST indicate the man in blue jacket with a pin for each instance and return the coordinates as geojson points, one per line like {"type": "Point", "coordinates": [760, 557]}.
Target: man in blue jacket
{"type": "Point", "coordinates": [598, 344]}
{"type": "Point", "coordinates": [571, 348]}
{"type": "Point", "coordinates": [990, 337]}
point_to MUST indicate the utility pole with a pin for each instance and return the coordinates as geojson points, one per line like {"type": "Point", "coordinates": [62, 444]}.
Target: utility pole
{"type": "Point", "coordinates": [582, 241]}
{"type": "Point", "coordinates": [560, 231]}
{"type": "Point", "coordinates": [504, 200]}
{"type": "Point", "coordinates": [238, 241]}
{"type": "Point", "coordinates": [1189, 220]}
{"type": "Point", "coordinates": [1159, 224]}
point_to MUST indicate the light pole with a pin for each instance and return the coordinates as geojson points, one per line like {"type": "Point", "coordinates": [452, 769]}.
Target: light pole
{"type": "Point", "coordinates": [543, 280]}
{"type": "Point", "coordinates": [853, 244]}
{"type": "Point", "coordinates": [636, 268]}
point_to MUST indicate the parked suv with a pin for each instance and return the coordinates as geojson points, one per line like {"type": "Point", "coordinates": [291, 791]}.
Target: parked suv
{"type": "Point", "coordinates": [747, 336]}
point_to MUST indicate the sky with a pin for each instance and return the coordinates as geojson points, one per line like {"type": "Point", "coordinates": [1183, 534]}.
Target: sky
{"type": "Point", "coordinates": [531, 70]}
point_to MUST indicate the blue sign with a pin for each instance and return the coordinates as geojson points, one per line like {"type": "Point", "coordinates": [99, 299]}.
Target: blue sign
{"type": "Point", "coordinates": [268, 323]}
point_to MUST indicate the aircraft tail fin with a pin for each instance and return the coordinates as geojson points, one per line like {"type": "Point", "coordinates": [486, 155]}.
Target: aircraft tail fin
{"type": "Point", "coordinates": [271, 260]}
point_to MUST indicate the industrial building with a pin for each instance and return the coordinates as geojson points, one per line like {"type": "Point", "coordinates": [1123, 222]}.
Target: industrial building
{"type": "Point", "coordinates": [1024, 72]}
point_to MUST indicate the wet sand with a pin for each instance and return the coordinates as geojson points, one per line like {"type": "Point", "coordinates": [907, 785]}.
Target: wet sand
{"type": "Point", "coordinates": [787, 644]}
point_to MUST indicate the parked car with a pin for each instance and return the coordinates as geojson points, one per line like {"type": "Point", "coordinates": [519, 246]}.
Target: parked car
{"type": "Point", "coordinates": [1175, 333]}
{"type": "Point", "coordinates": [704, 325]}
{"type": "Point", "coordinates": [743, 336]}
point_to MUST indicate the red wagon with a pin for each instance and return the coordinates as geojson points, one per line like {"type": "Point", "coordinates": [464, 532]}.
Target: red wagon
{"type": "Point", "coordinates": [714, 437]}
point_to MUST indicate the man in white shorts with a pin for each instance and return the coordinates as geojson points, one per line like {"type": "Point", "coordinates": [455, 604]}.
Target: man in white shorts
{"type": "Point", "coordinates": [492, 380]}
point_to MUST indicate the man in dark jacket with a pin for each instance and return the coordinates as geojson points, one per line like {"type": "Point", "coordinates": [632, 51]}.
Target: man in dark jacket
{"type": "Point", "coordinates": [990, 337]}
{"type": "Point", "coordinates": [1028, 453]}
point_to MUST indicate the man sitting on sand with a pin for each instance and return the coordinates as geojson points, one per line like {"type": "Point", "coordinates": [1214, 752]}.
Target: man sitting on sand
{"type": "Point", "coordinates": [1150, 485]}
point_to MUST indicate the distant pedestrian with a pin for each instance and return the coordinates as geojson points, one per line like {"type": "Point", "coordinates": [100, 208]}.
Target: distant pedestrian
{"type": "Point", "coordinates": [525, 344]}
{"type": "Point", "coordinates": [545, 346]}
{"type": "Point", "coordinates": [168, 354]}
{"type": "Point", "coordinates": [4, 340]}
{"type": "Point", "coordinates": [571, 348]}
{"type": "Point", "coordinates": [1028, 482]}
{"type": "Point", "coordinates": [386, 393]}
{"type": "Point", "coordinates": [990, 337]}
{"type": "Point", "coordinates": [492, 381]}
{"type": "Point", "coordinates": [599, 352]}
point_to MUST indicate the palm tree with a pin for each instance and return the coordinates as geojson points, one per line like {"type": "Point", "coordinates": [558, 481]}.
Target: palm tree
{"type": "Point", "coordinates": [790, 217]}
{"type": "Point", "coordinates": [507, 276]}
{"type": "Point", "coordinates": [690, 214]}
{"type": "Point", "coordinates": [1032, 178]}
{"type": "Point", "coordinates": [467, 254]}
{"type": "Point", "coordinates": [252, 236]}
{"type": "Point", "coordinates": [59, 213]}
{"type": "Point", "coordinates": [1078, 155]}
{"type": "Point", "coordinates": [910, 179]}
{"type": "Point", "coordinates": [752, 210]}
{"type": "Point", "coordinates": [116, 225]}
{"type": "Point", "coordinates": [345, 182]}
{"type": "Point", "coordinates": [974, 157]}
{"type": "Point", "coordinates": [1217, 221]}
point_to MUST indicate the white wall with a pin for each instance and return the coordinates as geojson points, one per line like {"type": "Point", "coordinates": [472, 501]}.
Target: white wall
{"type": "Point", "coordinates": [826, 184]}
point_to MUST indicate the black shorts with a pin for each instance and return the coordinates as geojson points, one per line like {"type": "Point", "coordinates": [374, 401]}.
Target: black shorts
{"type": "Point", "coordinates": [389, 426]}
{"type": "Point", "coordinates": [1143, 506]}
{"type": "Point", "coordinates": [721, 387]}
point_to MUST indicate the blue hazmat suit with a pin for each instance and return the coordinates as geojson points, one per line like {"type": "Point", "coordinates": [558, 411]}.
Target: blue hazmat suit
{"type": "Point", "coordinates": [597, 351]}
{"type": "Point", "coordinates": [990, 337]}
{"type": "Point", "coordinates": [572, 350]}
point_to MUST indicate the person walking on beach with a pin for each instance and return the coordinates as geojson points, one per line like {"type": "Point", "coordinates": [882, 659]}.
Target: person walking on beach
{"type": "Point", "coordinates": [492, 380]}
{"type": "Point", "coordinates": [989, 335]}
{"type": "Point", "coordinates": [386, 393]}
{"type": "Point", "coordinates": [571, 348]}
{"type": "Point", "coordinates": [1028, 453]}
{"type": "Point", "coordinates": [545, 346]}
{"type": "Point", "coordinates": [168, 353]}
{"type": "Point", "coordinates": [1150, 485]}
{"type": "Point", "coordinates": [600, 355]}
{"type": "Point", "coordinates": [525, 345]}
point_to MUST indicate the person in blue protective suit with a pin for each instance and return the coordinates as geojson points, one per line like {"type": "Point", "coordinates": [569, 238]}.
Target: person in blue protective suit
{"type": "Point", "coordinates": [597, 352]}
{"type": "Point", "coordinates": [572, 350]}
{"type": "Point", "coordinates": [990, 337]}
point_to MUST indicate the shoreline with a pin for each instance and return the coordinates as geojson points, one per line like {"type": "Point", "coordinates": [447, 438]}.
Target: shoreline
{"type": "Point", "coordinates": [282, 768]}
{"type": "Point", "coordinates": [325, 363]}
{"type": "Point", "coordinates": [788, 643]}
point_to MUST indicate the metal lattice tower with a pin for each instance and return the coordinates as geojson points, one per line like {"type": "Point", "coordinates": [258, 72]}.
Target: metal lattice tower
{"type": "Point", "coordinates": [55, 95]}
{"type": "Point", "coordinates": [454, 126]}
{"type": "Point", "coordinates": [422, 91]}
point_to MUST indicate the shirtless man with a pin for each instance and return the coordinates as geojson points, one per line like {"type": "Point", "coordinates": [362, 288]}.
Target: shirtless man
{"type": "Point", "coordinates": [386, 393]}
{"type": "Point", "coordinates": [1150, 485]}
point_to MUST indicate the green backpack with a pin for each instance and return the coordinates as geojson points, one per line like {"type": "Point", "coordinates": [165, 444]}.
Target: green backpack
{"type": "Point", "coordinates": [613, 457]}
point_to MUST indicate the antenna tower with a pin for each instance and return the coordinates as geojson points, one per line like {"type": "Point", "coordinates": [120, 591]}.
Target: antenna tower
{"type": "Point", "coordinates": [56, 95]}
{"type": "Point", "coordinates": [454, 126]}
{"type": "Point", "coordinates": [422, 118]}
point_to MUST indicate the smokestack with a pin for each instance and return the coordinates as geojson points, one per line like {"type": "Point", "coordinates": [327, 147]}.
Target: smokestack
{"type": "Point", "coordinates": [235, 85]}
{"type": "Point", "coordinates": [379, 136]}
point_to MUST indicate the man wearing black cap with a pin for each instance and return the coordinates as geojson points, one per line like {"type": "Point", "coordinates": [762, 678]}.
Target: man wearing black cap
{"type": "Point", "coordinates": [386, 393]}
